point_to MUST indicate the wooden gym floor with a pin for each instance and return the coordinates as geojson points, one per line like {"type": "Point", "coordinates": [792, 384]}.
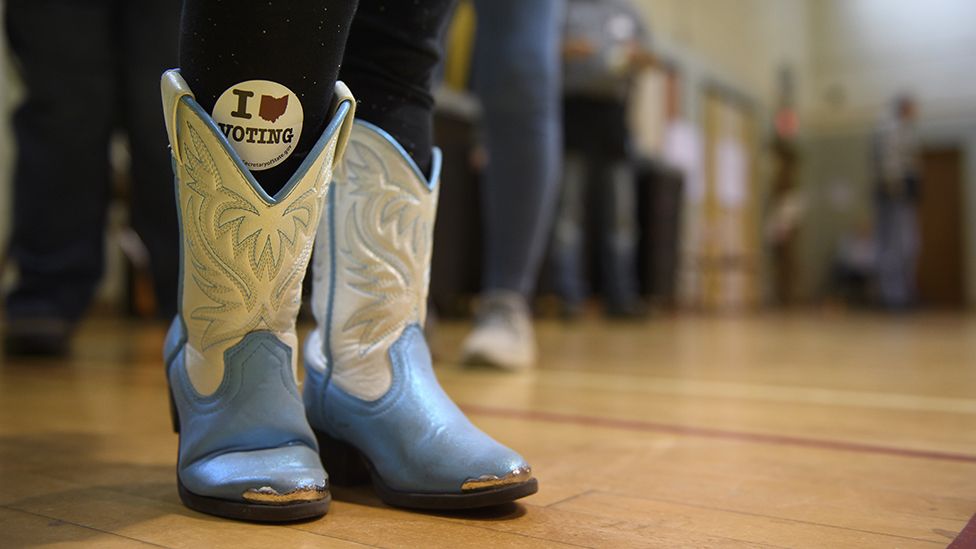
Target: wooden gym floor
{"type": "Point", "coordinates": [766, 431]}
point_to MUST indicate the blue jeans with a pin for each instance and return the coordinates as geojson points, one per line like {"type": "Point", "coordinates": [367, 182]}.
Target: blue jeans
{"type": "Point", "coordinates": [518, 79]}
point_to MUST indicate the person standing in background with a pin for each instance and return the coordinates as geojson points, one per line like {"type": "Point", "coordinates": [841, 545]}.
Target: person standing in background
{"type": "Point", "coordinates": [517, 78]}
{"type": "Point", "coordinates": [785, 202]}
{"type": "Point", "coordinates": [605, 45]}
{"type": "Point", "coordinates": [89, 68]}
{"type": "Point", "coordinates": [683, 149]}
{"type": "Point", "coordinates": [898, 190]}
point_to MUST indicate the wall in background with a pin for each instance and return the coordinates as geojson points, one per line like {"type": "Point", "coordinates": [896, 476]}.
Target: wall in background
{"type": "Point", "coordinates": [849, 58]}
{"type": "Point", "coordinates": [863, 52]}
{"type": "Point", "coordinates": [742, 43]}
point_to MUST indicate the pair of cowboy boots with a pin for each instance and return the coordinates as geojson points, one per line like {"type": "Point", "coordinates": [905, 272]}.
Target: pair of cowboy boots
{"type": "Point", "coordinates": [251, 446]}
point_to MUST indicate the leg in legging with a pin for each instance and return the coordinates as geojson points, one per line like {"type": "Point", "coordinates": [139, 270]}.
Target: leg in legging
{"type": "Point", "coordinates": [297, 44]}
{"type": "Point", "coordinates": [61, 177]}
{"type": "Point", "coordinates": [393, 51]}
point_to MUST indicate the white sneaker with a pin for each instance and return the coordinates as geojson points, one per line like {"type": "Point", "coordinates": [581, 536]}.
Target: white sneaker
{"type": "Point", "coordinates": [503, 336]}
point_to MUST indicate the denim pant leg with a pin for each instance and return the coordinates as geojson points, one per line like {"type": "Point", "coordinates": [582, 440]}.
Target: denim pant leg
{"type": "Point", "coordinates": [568, 233]}
{"type": "Point", "coordinates": [149, 32]}
{"type": "Point", "coordinates": [61, 179]}
{"type": "Point", "coordinates": [517, 77]}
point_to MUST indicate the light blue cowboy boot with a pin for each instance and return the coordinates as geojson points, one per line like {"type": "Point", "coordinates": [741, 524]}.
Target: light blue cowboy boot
{"type": "Point", "coordinates": [370, 391]}
{"type": "Point", "coordinates": [246, 449]}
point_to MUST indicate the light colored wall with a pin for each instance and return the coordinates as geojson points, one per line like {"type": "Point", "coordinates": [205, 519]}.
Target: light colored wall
{"type": "Point", "coordinates": [741, 42]}
{"type": "Point", "coordinates": [863, 51]}
{"type": "Point", "coordinates": [849, 55]}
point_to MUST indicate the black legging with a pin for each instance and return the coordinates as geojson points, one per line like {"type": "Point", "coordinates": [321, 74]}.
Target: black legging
{"type": "Point", "coordinates": [387, 49]}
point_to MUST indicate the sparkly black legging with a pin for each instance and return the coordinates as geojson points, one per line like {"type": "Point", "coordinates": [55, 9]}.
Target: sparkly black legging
{"type": "Point", "coordinates": [386, 51]}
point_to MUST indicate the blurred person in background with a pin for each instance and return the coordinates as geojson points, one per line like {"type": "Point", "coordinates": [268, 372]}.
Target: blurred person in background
{"type": "Point", "coordinates": [786, 204]}
{"type": "Point", "coordinates": [897, 194]}
{"type": "Point", "coordinates": [605, 45]}
{"type": "Point", "coordinates": [517, 78]}
{"type": "Point", "coordinates": [89, 67]}
{"type": "Point", "coordinates": [683, 149]}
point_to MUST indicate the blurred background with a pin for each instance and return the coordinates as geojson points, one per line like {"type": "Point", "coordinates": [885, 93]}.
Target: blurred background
{"type": "Point", "coordinates": [787, 153]}
{"type": "Point", "coordinates": [766, 222]}
{"type": "Point", "coordinates": [767, 138]}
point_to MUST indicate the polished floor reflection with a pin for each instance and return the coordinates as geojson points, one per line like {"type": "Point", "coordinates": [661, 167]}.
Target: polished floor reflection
{"type": "Point", "coordinates": [806, 430]}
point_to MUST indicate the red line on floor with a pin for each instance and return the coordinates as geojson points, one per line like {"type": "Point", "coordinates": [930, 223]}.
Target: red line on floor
{"type": "Point", "coordinates": [967, 538]}
{"type": "Point", "coordinates": [650, 426]}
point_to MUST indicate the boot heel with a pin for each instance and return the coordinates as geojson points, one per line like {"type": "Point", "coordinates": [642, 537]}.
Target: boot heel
{"type": "Point", "coordinates": [174, 415]}
{"type": "Point", "coordinates": [343, 463]}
